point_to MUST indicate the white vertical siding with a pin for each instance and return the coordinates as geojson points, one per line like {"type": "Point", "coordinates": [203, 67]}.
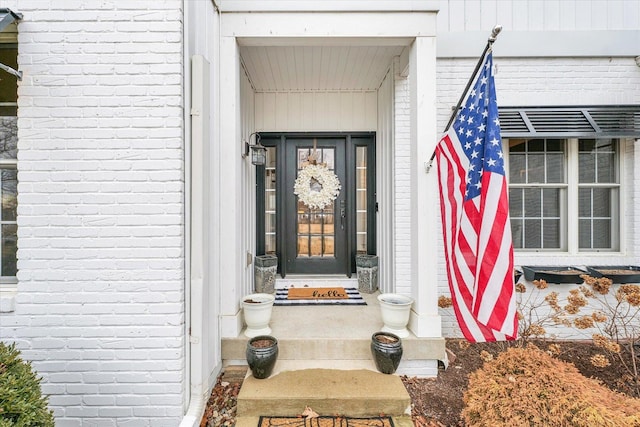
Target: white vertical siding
{"type": "Point", "coordinates": [384, 183]}
{"type": "Point", "coordinates": [315, 111]}
{"type": "Point", "coordinates": [247, 212]}
{"type": "Point", "coordinates": [538, 15]}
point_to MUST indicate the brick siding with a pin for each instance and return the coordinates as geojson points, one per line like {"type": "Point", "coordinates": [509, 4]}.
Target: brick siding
{"type": "Point", "coordinates": [100, 302]}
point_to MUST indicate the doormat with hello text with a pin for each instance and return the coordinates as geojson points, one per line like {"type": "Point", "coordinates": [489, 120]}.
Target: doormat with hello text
{"type": "Point", "coordinates": [319, 296]}
{"type": "Point", "coordinates": [382, 421]}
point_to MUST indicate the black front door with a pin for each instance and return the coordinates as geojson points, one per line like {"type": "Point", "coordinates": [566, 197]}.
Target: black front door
{"type": "Point", "coordinates": [315, 239]}
{"type": "Point", "coordinates": [312, 240]}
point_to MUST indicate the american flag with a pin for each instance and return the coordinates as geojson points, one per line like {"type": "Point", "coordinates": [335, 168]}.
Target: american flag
{"type": "Point", "coordinates": [475, 216]}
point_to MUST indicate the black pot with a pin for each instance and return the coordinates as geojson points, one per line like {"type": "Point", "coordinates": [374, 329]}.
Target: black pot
{"type": "Point", "coordinates": [262, 353]}
{"type": "Point", "coordinates": [386, 349]}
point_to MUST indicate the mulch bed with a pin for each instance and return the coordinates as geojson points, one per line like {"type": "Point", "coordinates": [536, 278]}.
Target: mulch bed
{"type": "Point", "coordinates": [436, 402]}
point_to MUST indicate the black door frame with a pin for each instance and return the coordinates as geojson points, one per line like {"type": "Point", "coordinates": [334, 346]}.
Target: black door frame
{"type": "Point", "coordinates": [352, 140]}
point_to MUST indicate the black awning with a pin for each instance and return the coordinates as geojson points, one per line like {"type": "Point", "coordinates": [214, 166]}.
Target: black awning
{"type": "Point", "coordinates": [7, 17]}
{"type": "Point", "coordinates": [606, 121]}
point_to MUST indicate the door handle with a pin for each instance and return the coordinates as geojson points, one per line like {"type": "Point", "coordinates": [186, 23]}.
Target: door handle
{"type": "Point", "coordinates": [343, 212]}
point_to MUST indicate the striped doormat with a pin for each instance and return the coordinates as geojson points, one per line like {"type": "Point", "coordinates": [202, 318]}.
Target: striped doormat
{"type": "Point", "coordinates": [382, 421]}
{"type": "Point", "coordinates": [353, 298]}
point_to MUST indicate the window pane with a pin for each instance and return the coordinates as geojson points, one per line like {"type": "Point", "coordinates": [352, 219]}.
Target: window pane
{"type": "Point", "coordinates": [517, 233]}
{"type": "Point", "coordinates": [270, 244]}
{"type": "Point", "coordinates": [362, 221]}
{"type": "Point", "coordinates": [601, 202]}
{"type": "Point", "coordinates": [316, 246]}
{"type": "Point", "coordinates": [551, 233]}
{"type": "Point", "coordinates": [515, 202]}
{"type": "Point", "coordinates": [270, 162]}
{"type": "Point", "coordinates": [555, 145]}
{"type": "Point", "coordinates": [303, 246]}
{"type": "Point", "coordinates": [9, 248]}
{"type": "Point", "coordinates": [328, 157]}
{"type": "Point", "coordinates": [8, 82]}
{"type": "Point", "coordinates": [269, 223]}
{"type": "Point", "coordinates": [601, 234]}
{"type": "Point", "coordinates": [597, 160]}
{"type": "Point", "coordinates": [532, 233]}
{"type": "Point", "coordinates": [270, 179]}
{"type": "Point", "coordinates": [361, 199]}
{"type": "Point", "coordinates": [536, 145]}
{"type": "Point", "coordinates": [584, 233]}
{"type": "Point", "coordinates": [8, 137]}
{"type": "Point", "coordinates": [361, 157]}
{"type": "Point", "coordinates": [362, 243]}
{"type": "Point", "coordinates": [551, 202]}
{"type": "Point", "coordinates": [361, 177]}
{"type": "Point", "coordinates": [587, 145]}
{"type": "Point", "coordinates": [606, 171]}
{"type": "Point", "coordinates": [517, 145]}
{"type": "Point", "coordinates": [303, 223]}
{"type": "Point", "coordinates": [597, 208]}
{"type": "Point", "coordinates": [270, 200]}
{"type": "Point", "coordinates": [555, 168]}
{"type": "Point", "coordinates": [9, 180]}
{"type": "Point", "coordinates": [532, 202]}
{"type": "Point", "coordinates": [584, 202]}
{"type": "Point", "coordinates": [587, 167]}
{"type": "Point", "coordinates": [328, 245]}
{"type": "Point", "coordinates": [517, 168]}
{"type": "Point", "coordinates": [536, 170]}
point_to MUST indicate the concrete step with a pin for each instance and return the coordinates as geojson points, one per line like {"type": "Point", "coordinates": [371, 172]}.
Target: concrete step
{"type": "Point", "coordinates": [318, 348]}
{"type": "Point", "coordinates": [348, 392]}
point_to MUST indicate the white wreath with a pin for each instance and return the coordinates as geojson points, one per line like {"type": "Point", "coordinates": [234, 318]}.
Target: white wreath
{"type": "Point", "coordinates": [313, 198]}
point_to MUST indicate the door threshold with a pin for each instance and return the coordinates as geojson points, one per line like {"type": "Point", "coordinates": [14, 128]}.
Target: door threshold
{"type": "Point", "coordinates": [316, 281]}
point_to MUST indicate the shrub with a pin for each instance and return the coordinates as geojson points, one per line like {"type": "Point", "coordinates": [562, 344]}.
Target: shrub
{"type": "Point", "coordinates": [528, 387]}
{"type": "Point", "coordinates": [21, 401]}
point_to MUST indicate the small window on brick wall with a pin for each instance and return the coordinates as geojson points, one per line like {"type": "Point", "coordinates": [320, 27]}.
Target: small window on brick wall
{"type": "Point", "coordinates": [8, 163]}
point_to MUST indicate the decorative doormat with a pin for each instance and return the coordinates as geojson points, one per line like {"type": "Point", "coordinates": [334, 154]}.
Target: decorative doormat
{"type": "Point", "coordinates": [325, 422]}
{"type": "Point", "coordinates": [319, 296]}
{"type": "Point", "coordinates": [317, 293]}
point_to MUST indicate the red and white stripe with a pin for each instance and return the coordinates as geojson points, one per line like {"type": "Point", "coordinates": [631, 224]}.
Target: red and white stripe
{"type": "Point", "coordinates": [478, 247]}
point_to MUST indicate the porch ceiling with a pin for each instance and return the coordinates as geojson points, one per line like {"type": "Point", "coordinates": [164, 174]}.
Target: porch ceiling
{"type": "Point", "coordinates": [302, 67]}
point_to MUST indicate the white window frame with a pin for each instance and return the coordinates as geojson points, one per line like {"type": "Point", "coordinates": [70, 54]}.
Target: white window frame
{"type": "Point", "coordinates": [571, 210]}
{"type": "Point", "coordinates": [8, 284]}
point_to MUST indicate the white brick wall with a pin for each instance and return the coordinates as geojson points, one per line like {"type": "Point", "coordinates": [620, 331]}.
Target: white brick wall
{"type": "Point", "coordinates": [402, 202]}
{"type": "Point", "coordinates": [554, 81]}
{"type": "Point", "coordinates": [100, 303]}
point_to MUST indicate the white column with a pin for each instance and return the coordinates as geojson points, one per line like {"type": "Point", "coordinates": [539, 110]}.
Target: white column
{"type": "Point", "coordinates": [425, 219]}
{"type": "Point", "coordinates": [226, 174]}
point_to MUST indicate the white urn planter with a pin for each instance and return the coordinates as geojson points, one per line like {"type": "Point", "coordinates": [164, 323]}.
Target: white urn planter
{"type": "Point", "coordinates": [257, 314]}
{"type": "Point", "coordinates": [395, 309]}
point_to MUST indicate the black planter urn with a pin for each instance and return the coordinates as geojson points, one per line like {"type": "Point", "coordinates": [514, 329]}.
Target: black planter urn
{"type": "Point", "coordinates": [262, 353]}
{"type": "Point", "coordinates": [386, 349]}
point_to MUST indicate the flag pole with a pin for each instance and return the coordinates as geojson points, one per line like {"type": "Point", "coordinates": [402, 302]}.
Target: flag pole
{"type": "Point", "coordinates": [492, 38]}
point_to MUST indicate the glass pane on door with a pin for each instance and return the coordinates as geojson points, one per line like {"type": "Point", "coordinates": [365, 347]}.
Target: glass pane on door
{"type": "Point", "coordinates": [361, 200]}
{"type": "Point", "coordinates": [315, 227]}
{"type": "Point", "coordinates": [270, 202]}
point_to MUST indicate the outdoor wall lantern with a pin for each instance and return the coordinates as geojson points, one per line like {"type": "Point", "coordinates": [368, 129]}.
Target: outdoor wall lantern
{"type": "Point", "coordinates": [258, 152]}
